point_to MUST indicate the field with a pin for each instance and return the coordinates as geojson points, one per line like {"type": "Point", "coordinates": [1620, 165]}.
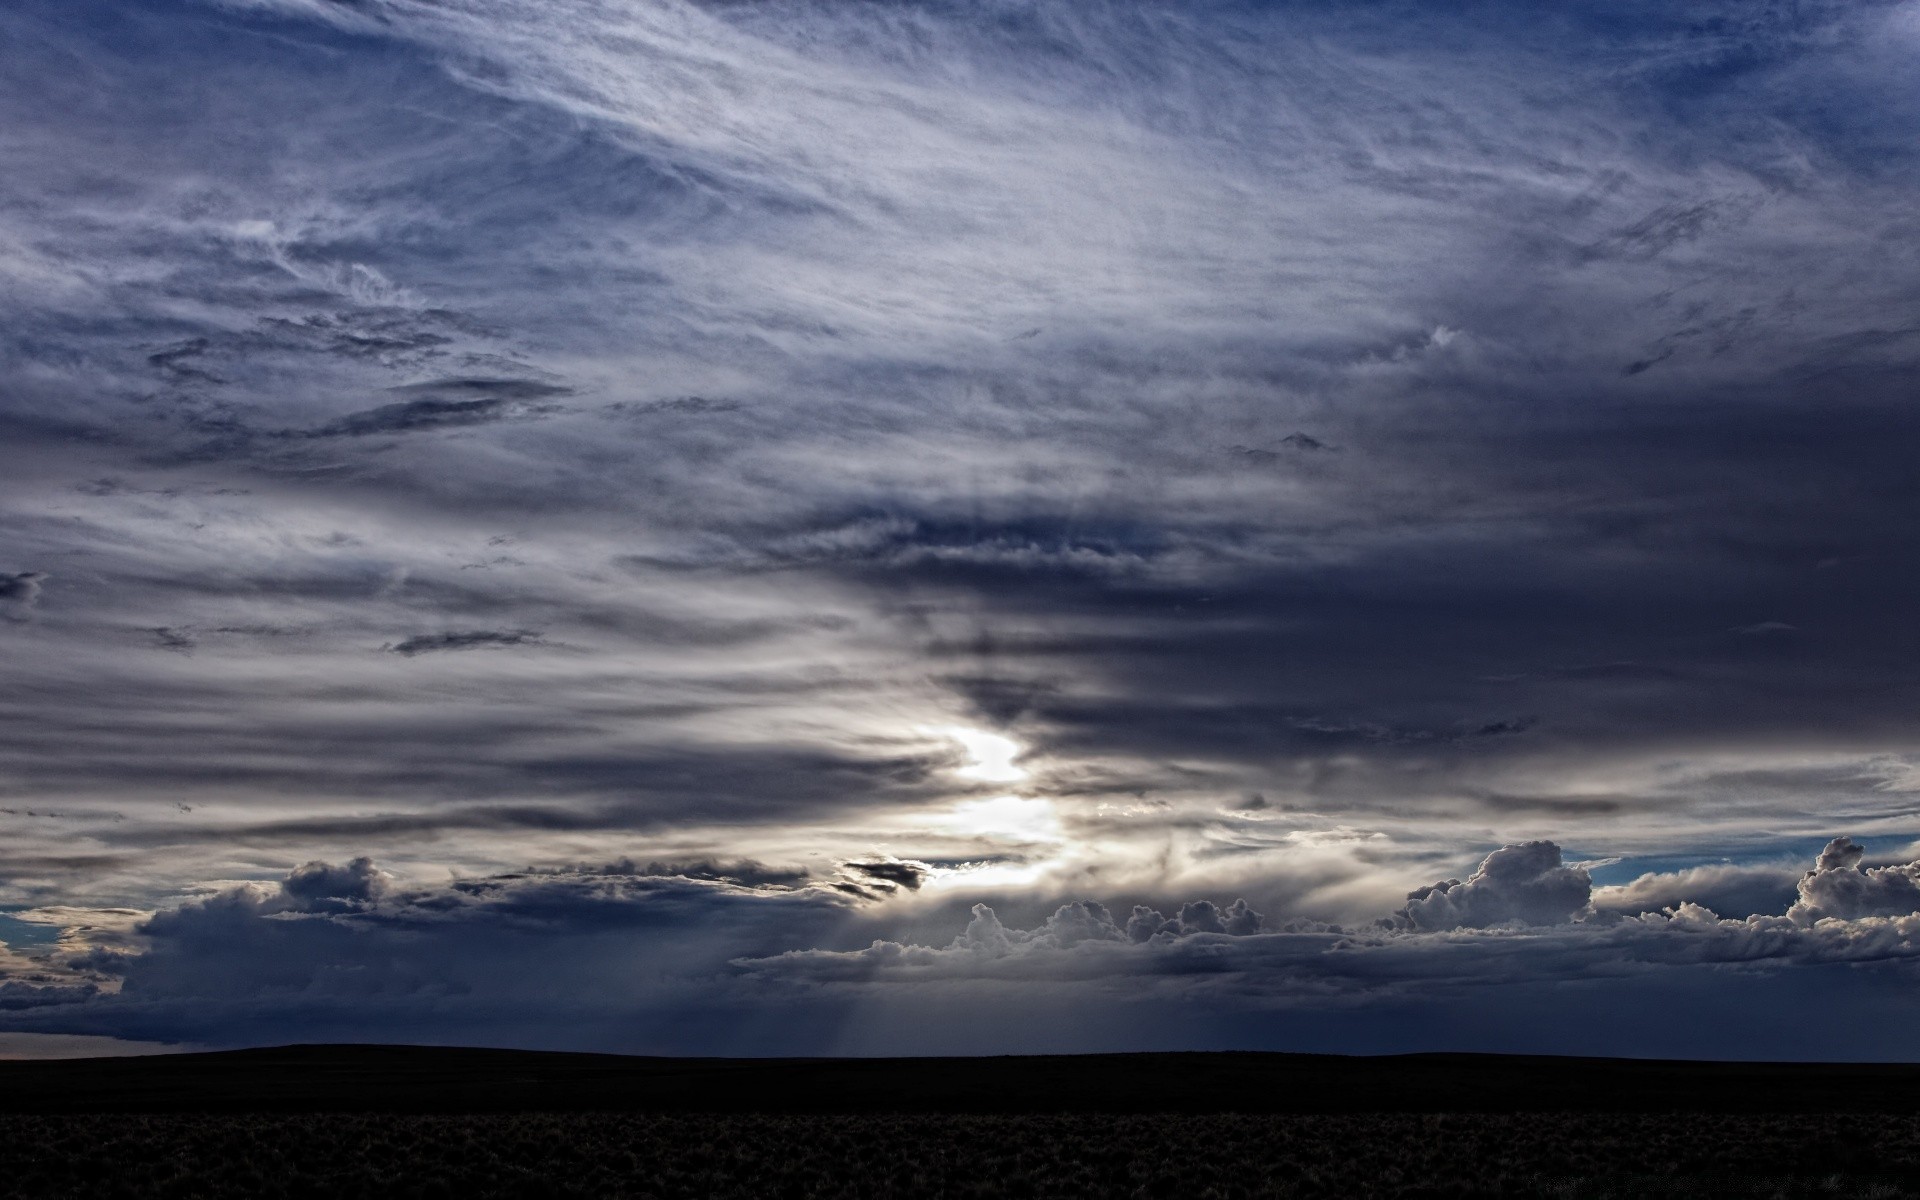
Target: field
{"type": "Point", "coordinates": [951, 1156]}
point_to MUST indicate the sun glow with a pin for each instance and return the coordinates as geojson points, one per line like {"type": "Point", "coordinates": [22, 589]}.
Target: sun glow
{"type": "Point", "coordinates": [990, 755]}
{"type": "Point", "coordinates": [1006, 818]}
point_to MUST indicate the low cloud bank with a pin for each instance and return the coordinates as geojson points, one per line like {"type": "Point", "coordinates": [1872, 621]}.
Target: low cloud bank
{"type": "Point", "coordinates": [1523, 916]}
{"type": "Point", "coordinates": [1725, 889]}
{"type": "Point", "coordinates": [681, 957]}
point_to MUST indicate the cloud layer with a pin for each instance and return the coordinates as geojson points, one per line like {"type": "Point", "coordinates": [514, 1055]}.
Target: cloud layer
{"type": "Point", "coordinates": [667, 958]}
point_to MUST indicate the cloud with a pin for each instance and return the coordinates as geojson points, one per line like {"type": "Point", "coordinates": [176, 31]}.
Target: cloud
{"type": "Point", "coordinates": [468, 639]}
{"type": "Point", "coordinates": [345, 950]}
{"type": "Point", "coordinates": [446, 404]}
{"type": "Point", "coordinates": [1727, 890]}
{"type": "Point", "coordinates": [1523, 928]}
{"type": "Point", "coordinates": [988, 944]}
{"type": "Point", "coordinates": [888, 874]}
{"type": "Point", "coordinates": [1525, 883]}
{"type": "Point", "coordinates": [172, 639]}
{"type": "Point", "coordinates": [20, 592]}
{"type": "Point", "coordinates": [349, 951]}
{"type": "Point", "coordinates": [1196, 916]}
{"type": "Point", "coordinates": [1839, 887]}
{"type": "Point", "coordinates": [323, 887]}
{"type": "Point", "coordinates": [746, 872]}
{"type": "Point", "coordinates": [694, 339]}
{"type": "Point", "coordinates": [19, 997]}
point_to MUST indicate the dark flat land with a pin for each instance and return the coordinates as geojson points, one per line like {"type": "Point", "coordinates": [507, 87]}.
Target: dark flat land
{"type": "Point", "coordinates": [405, 1122]}
{"type": "Point", "coordinates": [453, 1080]}
{"type": "Point", "coordinates": [948, 1157]}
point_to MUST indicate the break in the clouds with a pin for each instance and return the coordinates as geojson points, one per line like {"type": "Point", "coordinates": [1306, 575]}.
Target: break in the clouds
{"type": "Point", "coordinates": [1010, 502]}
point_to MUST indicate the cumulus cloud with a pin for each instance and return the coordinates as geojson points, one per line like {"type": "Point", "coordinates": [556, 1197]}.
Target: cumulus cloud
{"type": "Point", "coordinates": [1525, 883]}
{"type": "Point", "coordinates": [323, 887]}
{"type": "Point", "coordinates": [1196, 916]}
{"type": "Point", "coordinates": [1838, 887]}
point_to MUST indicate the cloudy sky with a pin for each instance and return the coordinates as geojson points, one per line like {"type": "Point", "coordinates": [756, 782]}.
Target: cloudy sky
{"type": "Point", "coordinates": [849, 527]}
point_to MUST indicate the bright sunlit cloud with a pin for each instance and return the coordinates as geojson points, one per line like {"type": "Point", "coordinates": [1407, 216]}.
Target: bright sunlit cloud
{"type": "Point", "coordinates": [1006, 818]}
{"type": "Point", "coordinates": [990, 755]}
{"type": "Point", "coordinates": [990, 875]}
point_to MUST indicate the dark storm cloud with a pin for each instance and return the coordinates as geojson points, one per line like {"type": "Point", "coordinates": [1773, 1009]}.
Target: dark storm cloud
{"type": "Point", "coordinates": [16, 997]}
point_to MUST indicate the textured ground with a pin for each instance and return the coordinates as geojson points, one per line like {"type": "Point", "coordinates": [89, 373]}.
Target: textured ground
{"type": "Point", "coordinates": [1188, 1157]}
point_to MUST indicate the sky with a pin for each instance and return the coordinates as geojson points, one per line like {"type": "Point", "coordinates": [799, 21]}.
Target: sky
{"type": "Point", "coordinates": [815, 527]}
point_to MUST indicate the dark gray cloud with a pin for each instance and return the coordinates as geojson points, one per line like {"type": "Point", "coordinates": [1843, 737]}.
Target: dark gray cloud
{"type": "Point", "coordinates": [746, 872]}
{"type": "Point", "coordinates": [886, 874]}
{"type": "Point", "coordinates": [342, 949]}
{"type": "Point", "coordinates": [323, 887]}
{"type": "Point", "coordinates": [172, 639]}
{"type": "Point", "coordinates": [19, 592]}
{"type": "Point", "coordinates": [466, 639]}
{"type": "Point", "coordinates": [446, 404]}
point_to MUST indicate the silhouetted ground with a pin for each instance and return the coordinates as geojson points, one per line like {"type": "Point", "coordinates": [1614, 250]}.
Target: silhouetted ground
{"type": "Point", "coordinates": [451, 1079]}
{"type": "Point", "coordinates": [393, 1122]}
{"type": "Point", "coordinates": [1176, 1157]}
